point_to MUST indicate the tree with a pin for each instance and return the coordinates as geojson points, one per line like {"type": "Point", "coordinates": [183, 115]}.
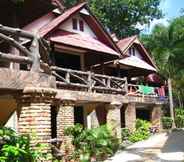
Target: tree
{"type": "Point", "coordinates": [123, 16]}
{"type": "Point", "coordinates": [166, 44]}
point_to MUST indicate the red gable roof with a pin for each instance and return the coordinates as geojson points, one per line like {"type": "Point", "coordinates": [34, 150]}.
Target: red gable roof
{"type": "Point", "coordinates": [60, 19]}
{"type": "Point", "coordinates": [82, 41]}
{"type": "Point", "coordinates": [126, 43]}
{"type": "Point", "coordinates": [49, 24]}
{"type": "Point", "coordinates": [39, 23]}
{"type": "Point", "coordinates": [91, 20]}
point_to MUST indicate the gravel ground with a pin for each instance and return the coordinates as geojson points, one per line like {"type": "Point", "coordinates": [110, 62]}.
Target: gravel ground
{"type": "Point", "coordinates": [164, 147]}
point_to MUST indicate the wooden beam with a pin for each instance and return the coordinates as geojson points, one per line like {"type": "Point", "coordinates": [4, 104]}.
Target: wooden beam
{"type": "Point", "coordinates": [18, 80]}
{"type": "Point", "coordinates": [104, 63]}
{"type": "Point", "coordinates": [14, 58]}
{"type": "Point", "coordinates": [83, 97]}
{"type": "Point", "coordinates": [16, 31]}
{"type": "Point", "coordinates": [15, 44]}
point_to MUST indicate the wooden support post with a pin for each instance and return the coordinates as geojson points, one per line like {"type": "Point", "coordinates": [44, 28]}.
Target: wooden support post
{"type": "Point", "coordinates": [35, 55]}
{"type": "Point", "coordinates": [171, 105]}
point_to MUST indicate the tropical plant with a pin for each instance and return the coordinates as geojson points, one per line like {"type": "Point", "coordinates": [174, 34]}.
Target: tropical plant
{"type": "Point", "coordinates": [179, 117]}
{"type": "Point", "coordinates": [166, 44]}
{"type": "Point", "coordinates": [97, 143]}
{"type": "Point", "coordinates": [167, 122]}
{"type": "Point", "coordinates": [142, 131]}
{"type": "Point", "coordinates": [16, 148]}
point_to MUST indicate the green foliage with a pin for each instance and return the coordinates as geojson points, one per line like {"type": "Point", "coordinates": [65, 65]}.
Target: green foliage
{"type": "Point", "coordinates": [167, 122]}
{"type": "Point", "coordinates": [122, 16]}
{"type": "Point", "coordinates": [166, 44]}
{"type": "Point", "coordinates": [125, 133]}
{"type": "Point", "coordinates": [97, 142]}
{"type": "Point", "coordinates": [142, 131]}
{"type": "Point", "coordinates": [16, 148]}
{"type": "Point", "coordinates": [179, 117]}
{"type": "Point", "coordinates": [142, 124]}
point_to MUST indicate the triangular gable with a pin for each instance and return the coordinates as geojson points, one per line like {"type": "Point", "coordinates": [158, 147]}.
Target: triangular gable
{"type": "Point", "coordinates": [60, 19]}
{"type": "Point", "coordinates": [90, 19]}
{"type": "Point", "coordinates": [127, 43]}
{"type": "Point", "coordinates": [87, 30]}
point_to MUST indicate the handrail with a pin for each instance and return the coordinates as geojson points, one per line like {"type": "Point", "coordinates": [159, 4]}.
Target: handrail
{"type": "Point", "coordinates": [133, 90]}
{"type": "Point", "coordinates": [88, 80]}
{"type": "Point", "coordinates": [28, 54]}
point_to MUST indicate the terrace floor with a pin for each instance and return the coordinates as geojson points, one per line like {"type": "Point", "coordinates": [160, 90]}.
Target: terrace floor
{"type": "Point", "coordinates": [164, 147]}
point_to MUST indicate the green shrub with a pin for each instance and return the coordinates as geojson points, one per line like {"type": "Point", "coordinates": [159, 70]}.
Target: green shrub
{"type": "Point", "coordinates": [142, 125]}
{"type": "Point", "coordinates": [125, 133]}
{"type": "Point", "coordinates": [167, 122]}
{"type": "Point", "coordinates": [16, 148]}
{"type": "Point", "coordinates": [142, 131]}
{"type": "Point", "coordinates": [97, 142]}
{"type": "Point", "coordinates": [179, 117]}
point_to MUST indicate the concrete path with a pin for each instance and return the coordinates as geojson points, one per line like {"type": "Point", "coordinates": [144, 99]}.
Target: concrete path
{"type": "Point", "coordinates": [165, 147]}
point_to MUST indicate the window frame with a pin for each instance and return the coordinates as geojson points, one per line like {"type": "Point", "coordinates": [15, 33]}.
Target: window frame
{"type": "Point", "coordinates": [75, 24]}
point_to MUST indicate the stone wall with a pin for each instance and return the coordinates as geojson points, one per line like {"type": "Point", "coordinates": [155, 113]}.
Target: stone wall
{"type": "Point", "coordinates": [34, 115]}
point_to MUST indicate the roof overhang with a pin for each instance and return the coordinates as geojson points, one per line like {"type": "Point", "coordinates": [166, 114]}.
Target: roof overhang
{"type": "Point", "coordinates": [83, 42]}
{"type": "Point", "coordinates": [126, 43]}
{"type": "Point", "coordinates": [135, 63]}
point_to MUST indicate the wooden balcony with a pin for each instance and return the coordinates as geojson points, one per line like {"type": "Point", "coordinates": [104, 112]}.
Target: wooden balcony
{"type": "Point", "coordinates": [78, 85]}
{"type": "Point", "coordinates": [89, 81]}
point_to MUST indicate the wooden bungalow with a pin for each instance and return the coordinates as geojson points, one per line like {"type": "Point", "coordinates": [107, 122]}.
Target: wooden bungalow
{"type": "Point", "coordinates": [70, 70]}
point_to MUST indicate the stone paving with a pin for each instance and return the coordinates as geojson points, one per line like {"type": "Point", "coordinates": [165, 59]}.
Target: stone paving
{"type": "Point", "coordinates": [164, 147]}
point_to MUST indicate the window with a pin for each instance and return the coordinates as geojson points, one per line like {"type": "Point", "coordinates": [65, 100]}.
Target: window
{"type": "Point", "coordinates": [74, 23]}
{"type": "Point", "coordinates": [81, 25]}
{"type": "Point", "coordinates": [132, 51]}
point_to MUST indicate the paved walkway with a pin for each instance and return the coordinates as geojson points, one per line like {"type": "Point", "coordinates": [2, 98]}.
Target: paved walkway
{"type": "Point", "coordinates": [165, 147]}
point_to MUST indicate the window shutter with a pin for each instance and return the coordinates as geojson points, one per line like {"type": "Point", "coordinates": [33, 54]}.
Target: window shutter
{"type": "Point", "coordinates": [74, 22]}
{"type": "Point", "coordinates": [81, 24]}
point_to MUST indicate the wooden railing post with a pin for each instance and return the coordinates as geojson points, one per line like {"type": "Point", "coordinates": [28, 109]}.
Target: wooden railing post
{"type": "Point", "coordinates": [67, 77]}
{"type": "Point", "coordinates": [35, 55]}
{"type": "Point", "coordinates": [90, 81]}
{"type": "Point", "coordinates": [126, 85]}
{"type": "Point", "coordinates": [109, 82]}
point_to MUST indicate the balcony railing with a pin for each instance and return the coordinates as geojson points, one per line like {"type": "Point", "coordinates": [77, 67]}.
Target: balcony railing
{"type": "Point", "coordinates": [147, 91]}
{"type": "Point", "coordinates": [26, 55]}
{"type": "Point", "coordinates": [35, 57]}
{"type": "Point", "coordinates": [91, 82]}
{"type": "Point", "coordinates": [67, 78]}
